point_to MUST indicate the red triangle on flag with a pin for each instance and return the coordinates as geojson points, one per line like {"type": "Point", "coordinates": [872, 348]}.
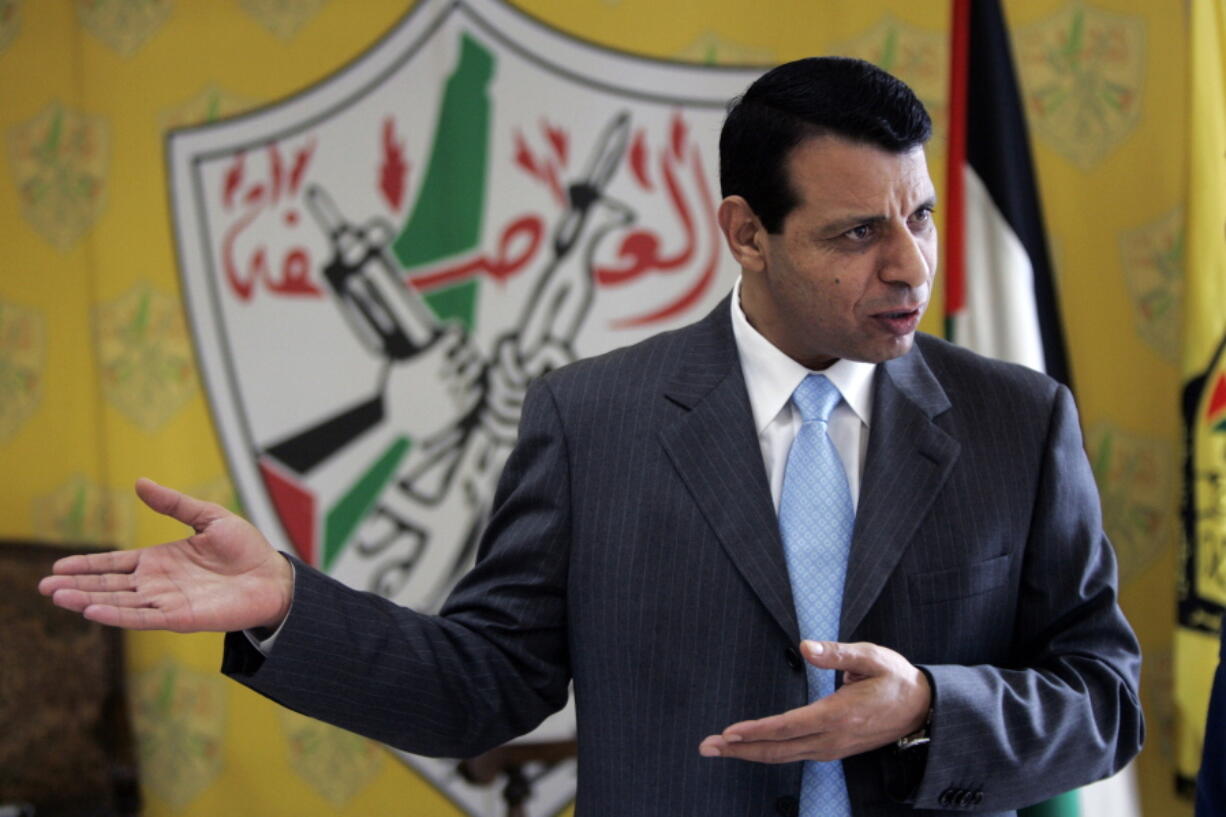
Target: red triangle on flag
{"type": "Point", "coordinates": [295, 505]}
{"type": "Point", "coordinates": [1217, 402]}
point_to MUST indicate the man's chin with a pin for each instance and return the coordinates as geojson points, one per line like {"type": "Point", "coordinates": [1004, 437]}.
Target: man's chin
{"type": "Point", "coordinates": [896, 347]}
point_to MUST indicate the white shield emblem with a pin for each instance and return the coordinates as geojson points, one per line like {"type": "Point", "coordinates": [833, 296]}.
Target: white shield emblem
{"type": "Point", "coordinates": [375, 268]}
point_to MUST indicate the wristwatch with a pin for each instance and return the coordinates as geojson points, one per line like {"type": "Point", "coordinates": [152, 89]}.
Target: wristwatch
{"type": "Point", "coordinates": [917, 738]}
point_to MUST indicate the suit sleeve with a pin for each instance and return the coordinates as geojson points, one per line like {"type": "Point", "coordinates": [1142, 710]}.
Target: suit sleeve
{"type": "Point", "coordinates": [490, 667]}
{"type": "Point", "coordinates": [1067, 712]}
{"type": "Point", "coordinates": [1211, 782]}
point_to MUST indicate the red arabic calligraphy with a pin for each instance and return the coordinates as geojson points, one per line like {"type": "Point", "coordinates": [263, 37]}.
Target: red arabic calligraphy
{"type": "Point", "coordinates": [545, 169]}
{"type": "Point", "coordinates": [277, 192]}
{"type": "Point", "coordinates": [640, 250]}
{"type": "Point", "coordinates": [516, 247]}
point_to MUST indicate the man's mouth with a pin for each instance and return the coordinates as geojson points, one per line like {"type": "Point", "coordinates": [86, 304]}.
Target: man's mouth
{"type": "Point", "coordinates": [899, 321]}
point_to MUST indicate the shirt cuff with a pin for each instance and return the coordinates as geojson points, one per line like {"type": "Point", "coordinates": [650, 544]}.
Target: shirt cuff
{"type": "Point", "coordinates": [263, 638]}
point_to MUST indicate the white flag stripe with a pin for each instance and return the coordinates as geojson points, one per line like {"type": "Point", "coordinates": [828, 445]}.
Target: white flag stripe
{"type": "Point", "coordinates": [1117, 796]}
{"type": "Point", "coordinates": [1000, 319]}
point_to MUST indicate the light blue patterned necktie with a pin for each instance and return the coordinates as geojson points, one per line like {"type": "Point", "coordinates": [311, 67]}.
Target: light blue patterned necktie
{"type": "Point", "coordinates": [815, 520]}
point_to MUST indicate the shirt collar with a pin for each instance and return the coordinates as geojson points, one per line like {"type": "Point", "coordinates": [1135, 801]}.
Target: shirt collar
{"type": "Point", "coordinates": [771, 376]}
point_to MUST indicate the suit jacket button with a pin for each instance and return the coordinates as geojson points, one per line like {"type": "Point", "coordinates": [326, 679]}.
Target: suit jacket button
{"type": "Point", "coordinates": [946, 798]}
{"type": "Point", "coordinates": [977, 799]}
{"type": "Point", "coordinates": [965, 798]}
{"type": "Point", "coordinates": [793, 658]}
{"type": "Point", "coordinates": [788, 806]}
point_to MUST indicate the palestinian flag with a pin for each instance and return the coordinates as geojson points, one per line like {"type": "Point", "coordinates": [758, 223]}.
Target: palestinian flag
{"type": "Point", "coordinates": [1000, 294]}
{"type": "Point", "coordinates": [1000, 297]}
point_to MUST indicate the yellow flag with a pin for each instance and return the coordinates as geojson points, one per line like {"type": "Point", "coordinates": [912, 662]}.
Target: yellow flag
{"type": "Point", "coordinates": [1202, 582]}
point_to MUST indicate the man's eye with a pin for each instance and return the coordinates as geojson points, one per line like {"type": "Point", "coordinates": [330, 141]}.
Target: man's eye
{"type": "Point", "coordinates": [922, 216]}
{"type": "Point", "coordinates": [860, 232]}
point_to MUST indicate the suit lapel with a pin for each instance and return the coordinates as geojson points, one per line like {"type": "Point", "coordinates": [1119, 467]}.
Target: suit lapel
{"type": "Point", "coordinates": [714, 448]}
{"type": "Point", "coordinates": [909, 457]}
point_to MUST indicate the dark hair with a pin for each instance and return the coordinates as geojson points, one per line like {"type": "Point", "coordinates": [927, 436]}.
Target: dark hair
{"type": "Point", "coordinates": [799, 100]}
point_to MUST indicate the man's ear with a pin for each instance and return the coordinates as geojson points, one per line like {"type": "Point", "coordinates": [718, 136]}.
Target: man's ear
{"type": "Point", "coordinates": [743, 232]}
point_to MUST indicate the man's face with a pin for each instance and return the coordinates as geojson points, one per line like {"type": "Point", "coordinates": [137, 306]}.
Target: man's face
{"type": "Point", "coordinates": [850, 273]}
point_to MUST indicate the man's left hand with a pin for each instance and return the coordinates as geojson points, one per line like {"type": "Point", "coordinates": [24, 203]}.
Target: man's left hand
{"type": "Point", "coordinates": [883, 698]}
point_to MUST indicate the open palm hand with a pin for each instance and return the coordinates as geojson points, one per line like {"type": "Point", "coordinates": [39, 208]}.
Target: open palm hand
{"type": "Point", "coordinates": [223, 577]}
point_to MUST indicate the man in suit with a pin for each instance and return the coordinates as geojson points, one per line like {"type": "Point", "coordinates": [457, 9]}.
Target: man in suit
{"type": "Point", "coordinates": [636, 548]}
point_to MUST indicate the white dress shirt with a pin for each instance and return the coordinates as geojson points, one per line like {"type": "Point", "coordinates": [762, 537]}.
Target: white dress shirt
{"type": "Point", "coordinates": [771, 377]}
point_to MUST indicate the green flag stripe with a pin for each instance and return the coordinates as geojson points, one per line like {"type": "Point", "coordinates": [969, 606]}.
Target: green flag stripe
{"type": "Point", "coordinates": [1066, 805]}
{"type": "Point", "coordinates": [345, 515]}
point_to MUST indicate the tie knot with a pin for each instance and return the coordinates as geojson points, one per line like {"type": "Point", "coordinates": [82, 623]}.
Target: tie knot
{"type": "Point", "coordinates": [816, 397]}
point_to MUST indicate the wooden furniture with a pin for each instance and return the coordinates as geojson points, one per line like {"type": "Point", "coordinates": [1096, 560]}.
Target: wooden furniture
{"type": "Point", "coordinates": [66, 744]}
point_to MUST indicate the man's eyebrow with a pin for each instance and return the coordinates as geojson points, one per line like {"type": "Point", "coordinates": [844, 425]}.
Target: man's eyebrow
{"type": "Point", "coordinates": [844, 223]}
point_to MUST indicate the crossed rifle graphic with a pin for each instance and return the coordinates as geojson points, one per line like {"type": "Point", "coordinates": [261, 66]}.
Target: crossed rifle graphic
{"type": "Point", "coordinates": [456, 464]}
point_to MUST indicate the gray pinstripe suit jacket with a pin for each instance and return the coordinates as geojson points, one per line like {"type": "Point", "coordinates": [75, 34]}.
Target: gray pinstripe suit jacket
{"type": "Point", "coordinates": [634, 549]}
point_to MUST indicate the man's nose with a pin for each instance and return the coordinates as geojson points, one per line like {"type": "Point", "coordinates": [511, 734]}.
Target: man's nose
{"type": "Point", "coordinates": [906, 260]}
